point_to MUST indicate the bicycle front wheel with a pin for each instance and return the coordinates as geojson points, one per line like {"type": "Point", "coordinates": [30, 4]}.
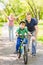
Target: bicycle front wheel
{"type": "Point", "coordinates": [25, 56]}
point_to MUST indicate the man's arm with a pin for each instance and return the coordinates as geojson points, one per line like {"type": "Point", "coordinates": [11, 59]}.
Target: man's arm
{"type": "Point", "coordinates": [36, 30]}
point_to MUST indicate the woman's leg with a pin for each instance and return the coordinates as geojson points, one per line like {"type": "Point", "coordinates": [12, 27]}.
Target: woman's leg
{"type": "Point", "coordinates": [9, 33]}
{"type": "Point", "coordinates": [12, 34]}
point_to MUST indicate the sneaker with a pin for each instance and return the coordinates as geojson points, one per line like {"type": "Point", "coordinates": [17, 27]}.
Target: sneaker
{"type": "Point", "coordinates": [19, 55]}
{"type": "Point", "coordinates": [33, 54]}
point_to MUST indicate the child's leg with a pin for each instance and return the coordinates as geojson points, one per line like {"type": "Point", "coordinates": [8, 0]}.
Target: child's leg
{"type": "Point", "coordinates": [18, 43]}
{"type": "Point", "coordinates": [25, 40]}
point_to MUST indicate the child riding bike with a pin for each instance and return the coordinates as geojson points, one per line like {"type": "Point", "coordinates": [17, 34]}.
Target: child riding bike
{"type": "Point", "coordinates": [21, 30]}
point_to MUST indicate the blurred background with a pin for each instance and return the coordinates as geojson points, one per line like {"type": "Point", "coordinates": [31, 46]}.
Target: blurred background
{"type": "Point", "coordinates": [20, 8]}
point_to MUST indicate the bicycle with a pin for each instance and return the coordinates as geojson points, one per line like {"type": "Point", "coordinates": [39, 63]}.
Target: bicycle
{"type": "Point", "coordinates": [22, 49]}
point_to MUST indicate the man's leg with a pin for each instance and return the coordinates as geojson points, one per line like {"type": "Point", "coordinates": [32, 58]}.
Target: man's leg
{"type": "Point", "coordinates": [34, 43]}
{"type": "Point", "coordinates": [34, 48]}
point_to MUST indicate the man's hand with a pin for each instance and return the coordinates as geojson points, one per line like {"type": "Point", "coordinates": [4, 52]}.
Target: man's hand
{"type": "Point", "coordinates": [36, 31]}
{"type": "Point", "coordinates": [33, 38]}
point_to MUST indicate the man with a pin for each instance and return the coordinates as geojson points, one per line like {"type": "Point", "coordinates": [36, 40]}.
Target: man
{"type": "Point", "coordinates": [31, 24]}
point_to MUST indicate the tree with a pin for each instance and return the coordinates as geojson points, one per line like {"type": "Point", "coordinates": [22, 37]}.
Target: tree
{"type": "Point", "coordinates": [21, 7]}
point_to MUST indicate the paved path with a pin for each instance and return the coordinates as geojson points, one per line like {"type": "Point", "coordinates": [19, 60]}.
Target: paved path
{"type": "Point", "coordinates": [7, 57]}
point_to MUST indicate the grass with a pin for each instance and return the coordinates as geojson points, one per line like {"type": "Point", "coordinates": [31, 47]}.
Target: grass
{"type": "Point", "coordinates": [40, 39]}
{"type": "Point", "coordinates": [40, 31]}
{"type": "Point", "coordinates": [1, 24]}
{"type": "Point", "coordinates": [0, 30]}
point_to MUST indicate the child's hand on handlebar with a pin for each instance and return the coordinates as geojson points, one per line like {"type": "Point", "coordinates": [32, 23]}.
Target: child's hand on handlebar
{"type": "Point", "coordinates": [29, 34]}
{"type": "Point", "coordinates": [16, 34]}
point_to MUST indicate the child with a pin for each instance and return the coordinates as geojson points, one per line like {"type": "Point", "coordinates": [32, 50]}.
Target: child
{"type": "Point", "coordinates": [22, 30]}
{"type": "Point", "coordinates": [11, 25]}
{"type": "Point", "coordinates": [11, 18]}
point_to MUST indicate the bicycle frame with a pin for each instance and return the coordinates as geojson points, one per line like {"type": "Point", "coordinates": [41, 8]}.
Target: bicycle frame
{"type": "Point", "coordinates": [21, 48]}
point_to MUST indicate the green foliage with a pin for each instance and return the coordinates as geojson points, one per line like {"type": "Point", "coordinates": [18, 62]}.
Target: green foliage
{"type": "Point", "coordinates": [18, 7]}
{"type": "Point", "coordinates": [40, 38]}
{"type": "Point", "coordinates": [40, 31]}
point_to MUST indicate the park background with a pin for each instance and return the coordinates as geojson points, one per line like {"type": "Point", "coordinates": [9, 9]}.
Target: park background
{"type": "Point", "coordinates": [20, 8]}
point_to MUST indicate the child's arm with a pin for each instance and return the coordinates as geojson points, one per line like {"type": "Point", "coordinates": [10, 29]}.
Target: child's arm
{"type": "Point", "coordinates": [17, 32]}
